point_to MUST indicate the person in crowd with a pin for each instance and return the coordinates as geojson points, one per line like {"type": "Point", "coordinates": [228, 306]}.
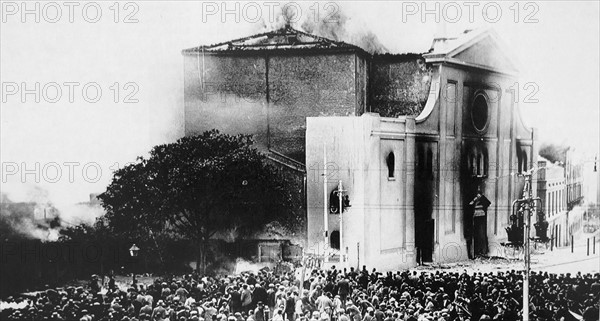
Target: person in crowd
{"type": "Point", "coordinates": [260, 312]}
{"type": "Point", "coordinates": [246, 297]}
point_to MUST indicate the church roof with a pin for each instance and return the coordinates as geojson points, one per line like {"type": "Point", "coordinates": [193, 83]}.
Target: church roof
{"type": "Point", "coordinates": [286, 38]}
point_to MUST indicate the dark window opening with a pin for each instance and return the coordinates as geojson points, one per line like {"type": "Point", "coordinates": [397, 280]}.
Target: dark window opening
{"type": "Point", "coordinates": [430, 163]}
{"type": "Point", "coordinates": [391, 163]}
{"type": "Point", "coordinates": [479, 113]}
{"type": "Point", "coordinates": [334, 240]}
{"type": "Point", "coordinates": [421, 162]}
{"type": "Point", "coordinates": [334, 202]}
{"type": "Point", "coordinates": [485, 164]}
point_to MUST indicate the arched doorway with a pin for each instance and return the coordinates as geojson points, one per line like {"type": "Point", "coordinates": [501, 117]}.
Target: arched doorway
{"type": "Point", "coordinates": [334, 240]}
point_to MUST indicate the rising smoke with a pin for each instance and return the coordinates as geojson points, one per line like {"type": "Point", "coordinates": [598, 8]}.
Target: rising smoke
{"type": "Point", "coordinates": [36, 217]}
{"type": "Point", "coordinates": [333, 24]}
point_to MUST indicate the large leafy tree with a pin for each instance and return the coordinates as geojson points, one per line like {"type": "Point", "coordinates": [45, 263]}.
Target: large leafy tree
{"type": "Point", "coordinates": [197, 187]}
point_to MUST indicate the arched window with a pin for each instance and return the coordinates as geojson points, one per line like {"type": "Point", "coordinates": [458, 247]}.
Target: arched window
{"type": "Point", "coordinates": [334, 202]}
{"type": "Point", "coordinates": [334, 240]}
{"type": "Point", "coordinates": [391, 164]}
{"type": "Point", "coordinates": [525, 165]}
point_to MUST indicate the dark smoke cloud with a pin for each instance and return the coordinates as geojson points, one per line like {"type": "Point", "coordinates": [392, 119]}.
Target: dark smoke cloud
{"type": "Point", "coordinates": [332, 24]}
{"type": "Point", "coordinates": [337, 26]}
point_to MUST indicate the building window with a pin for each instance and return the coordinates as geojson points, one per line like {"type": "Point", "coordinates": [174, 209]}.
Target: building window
{"type": "Point", "coordinates": [485, 164]}
{"type": "Point", "coordinates": [523, 165]}
{"type": "Point", "coordinates": [334, 240]}
{"type": "Point", "coordinates": [478, 163]}
{"type": "Point", "coordinates": [472, 164]}
{"type": "Point", "coordinates": [421, 162]}
{"type": "Point", "coordinates": [430, 163]}
{"type": "Point", "coordinates": [480, 113]}
{"type": "Point", "coordinates": [391, 163]}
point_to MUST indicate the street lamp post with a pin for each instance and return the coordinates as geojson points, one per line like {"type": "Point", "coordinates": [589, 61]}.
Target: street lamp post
{"type": "Point", "coordinates": [133, 252]}
{"type": "Point", "coordinates": [325, 207]}
{"type": "Point", "coordinates": [529, 207]}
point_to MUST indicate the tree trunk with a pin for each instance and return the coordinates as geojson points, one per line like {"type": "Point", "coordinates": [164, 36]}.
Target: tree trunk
{"type": "Point", "coordinates": [204, 249]}
{"type": "Point", "coordinates": [198, 256]}
{"type": "Point", "coordinates": [201, 255]}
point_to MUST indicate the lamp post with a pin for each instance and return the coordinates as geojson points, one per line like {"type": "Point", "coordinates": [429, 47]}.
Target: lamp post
{"type": "Point", "coordinates": [133, 252]}
{"type": "Point", "coordinates": [325, 207]}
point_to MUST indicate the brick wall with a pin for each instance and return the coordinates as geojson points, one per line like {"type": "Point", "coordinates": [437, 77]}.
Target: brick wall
{"type": "Point", "coordinates": [231, 93]}
{"type": "Point", "coordinates": [399, 85]}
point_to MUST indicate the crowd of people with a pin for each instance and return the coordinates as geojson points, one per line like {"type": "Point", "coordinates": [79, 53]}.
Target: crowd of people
{"type": "Point", "coordinates": [321, 295]}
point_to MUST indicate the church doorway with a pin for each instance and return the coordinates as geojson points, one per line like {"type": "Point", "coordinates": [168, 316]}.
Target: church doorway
{"type": "Point", "coordinates": [428, 236]}
{"type": "Point", "coordinates": [479, 241]}
{"type": "Point", "coordinates": [480, 235]}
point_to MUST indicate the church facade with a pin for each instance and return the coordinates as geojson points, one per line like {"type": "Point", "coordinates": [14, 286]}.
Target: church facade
{"type": "Point", "coordinates": [437, 187]}
{"type": "Point", "coordinates": [426, 147]}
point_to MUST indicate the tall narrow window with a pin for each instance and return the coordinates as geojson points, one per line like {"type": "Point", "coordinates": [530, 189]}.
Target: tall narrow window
{"type": "Point", "coordinates": [334, 240]}
{"type": "Point", "coordinates": [479, 165]}
{"type": "Point", "coordinates": [485, 164]}
{"type": "Point", "coordinates": [391, 164]}
{"type": "Point", "coordinates": [430, 163]}
{"type": "Point", "coordinates": [421, 162]}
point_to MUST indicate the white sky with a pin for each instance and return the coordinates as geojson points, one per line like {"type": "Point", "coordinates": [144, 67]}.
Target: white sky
{"type": "Point", "coordinates": [559, 53]}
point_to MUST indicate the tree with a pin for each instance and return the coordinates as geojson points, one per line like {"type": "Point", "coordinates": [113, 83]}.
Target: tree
{"type": "Point", "coordinates": [197, 187]}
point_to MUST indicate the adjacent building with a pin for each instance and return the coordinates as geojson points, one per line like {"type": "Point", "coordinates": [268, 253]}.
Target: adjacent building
{"type": "Point", "coordinates": [552, 189]}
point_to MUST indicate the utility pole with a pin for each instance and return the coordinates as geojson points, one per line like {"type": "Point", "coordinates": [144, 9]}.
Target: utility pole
{"type": "Point", "coordinates": [325, 207]}
{"type": "Point", "coordinates": [528, 206]}
{"type": "Point", "coordinates": [527, 258]}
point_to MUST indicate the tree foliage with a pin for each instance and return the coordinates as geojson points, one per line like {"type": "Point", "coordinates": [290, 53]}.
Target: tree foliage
{"type": "Point", "coordinates": [197, 187]}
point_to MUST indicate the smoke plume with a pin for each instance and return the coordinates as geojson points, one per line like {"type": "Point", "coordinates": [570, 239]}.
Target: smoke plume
{"type": "Point", "coordinates": [332, 23]}
{"type": "Point", "coordinates": [35, 216]}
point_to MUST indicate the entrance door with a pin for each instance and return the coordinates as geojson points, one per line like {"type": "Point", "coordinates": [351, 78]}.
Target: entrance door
{"type": "Point", "coordinates": [480, 235]}
{"type": "Point", "coordinates": [428, 241]}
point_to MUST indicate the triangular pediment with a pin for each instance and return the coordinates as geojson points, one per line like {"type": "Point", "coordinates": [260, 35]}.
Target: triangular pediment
{"type": "Point", "coordinates": [486, 52]}
{"type": "Point", "coordinates": [283, 39]}
{"type": "Point", "coordinates": [479, 49]}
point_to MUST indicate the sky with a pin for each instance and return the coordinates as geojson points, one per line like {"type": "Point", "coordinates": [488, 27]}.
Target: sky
{"type": "Point", "coordinates": [110, 74]}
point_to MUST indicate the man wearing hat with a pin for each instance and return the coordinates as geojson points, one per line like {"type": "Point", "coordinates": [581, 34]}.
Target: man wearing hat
{"type": "Point", "coordinates": [159, 312]}
{"type": "Point", "coordinates": [259, 312]}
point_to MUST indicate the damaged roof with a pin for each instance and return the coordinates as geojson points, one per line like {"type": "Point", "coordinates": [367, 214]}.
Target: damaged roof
{"type": "Point", "coordinates": [286, 38]}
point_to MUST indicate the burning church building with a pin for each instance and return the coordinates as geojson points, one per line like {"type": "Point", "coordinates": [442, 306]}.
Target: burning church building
{"type": "Point", "coordinates": [425, 146]}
